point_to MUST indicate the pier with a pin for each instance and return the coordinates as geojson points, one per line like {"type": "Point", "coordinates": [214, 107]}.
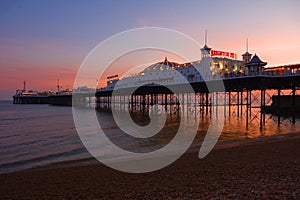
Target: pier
{"type": "Point", "coordinates": [248, 88]}
{"type": "Point", "coordinates": [55, 100]}
{"type": "Point", "coordinates": [30, 99]}
{"type": "Point", "coordinates": [246, 94]}
{"type": "Point", "coordinates": [250, 96]}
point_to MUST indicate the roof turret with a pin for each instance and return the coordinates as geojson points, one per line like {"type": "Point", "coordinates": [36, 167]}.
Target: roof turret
{"type": "Point", "coordinates": [256, 61]}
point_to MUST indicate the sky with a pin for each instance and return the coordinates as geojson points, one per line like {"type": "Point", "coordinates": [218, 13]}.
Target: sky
{"type": "Point", "coordinates": [41, 41]}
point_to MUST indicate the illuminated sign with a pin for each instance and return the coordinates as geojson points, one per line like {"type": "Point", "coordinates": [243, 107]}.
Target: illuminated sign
{"type": "Point", "coordinates": [111, 77]}
{"type": "Point", "coordinates": [223, 54]}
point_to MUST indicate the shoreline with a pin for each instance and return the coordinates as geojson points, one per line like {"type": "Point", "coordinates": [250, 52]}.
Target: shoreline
{"type": "Point", "coordinates": [221, 144]}
{"type": "Point", "coordinates": [253, 168]}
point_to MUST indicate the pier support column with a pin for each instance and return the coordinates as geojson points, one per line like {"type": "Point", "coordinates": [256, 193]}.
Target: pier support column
{"type": "Point", "coordinates": [279, 105]}
{"type": "Point", "coordinates": [217, 104]}
{"type": "Point", "coordinates": [131, 109]}
{"type": "Point", "coordinates": [124, 102]}
{"type": "Point", "coordinates": [171, 97]}
{"type": "Point", "coordinates": [165, 101]}
{"type": "Point", "coordinates": [148, 102]}
{"type": "Point", "coordinates": [195, 104]}
{"type": "Point", "coordinates": [202, 104]}
{"type": "Point", "coordinates": [238, 104]}
{"type": "Point", "coordinates": [212, 102]}
{"type": "Point", "coordinates": [262, 105]}
{"type": "Point", "coordinates": [177, 103]}
{"type": "Point", "coordinates": [143, 103]}
{"type": "Point", "coordinates": [225, 102]}
{"type": "Point", "coordinates": [206, 102]}
{"type": "Point", "coordinates": [242, 103]}
{"type": "Point", "coordinates": [264, 114]}
{"type": "Point", "coordinates": [229, 103]}
{"type": "Point", "coordinates": [152, 102]}
{"type": "Point", "coordinates": [217, 100]}
{"type": "Point", "coordinates": [247, 107]}
{"type": "Point", "coordinates": [250, 103]}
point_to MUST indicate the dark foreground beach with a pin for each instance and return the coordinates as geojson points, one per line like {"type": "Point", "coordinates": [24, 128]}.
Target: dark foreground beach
{"type": "Point", "coordinates": [258, 168]}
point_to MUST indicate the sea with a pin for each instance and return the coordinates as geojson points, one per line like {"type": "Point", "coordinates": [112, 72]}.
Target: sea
{"type": "Point", "coordinates": [34, 135]}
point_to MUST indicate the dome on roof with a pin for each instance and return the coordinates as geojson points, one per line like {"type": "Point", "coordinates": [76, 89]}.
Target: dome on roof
{"type": "Point", "coordinates": [162, 65]}
{"type": "Point", "coordinates": [256, 61]}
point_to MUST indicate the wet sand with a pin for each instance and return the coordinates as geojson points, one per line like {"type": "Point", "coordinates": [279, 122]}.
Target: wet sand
{"type": "Point", "coordinates": [256, 168]}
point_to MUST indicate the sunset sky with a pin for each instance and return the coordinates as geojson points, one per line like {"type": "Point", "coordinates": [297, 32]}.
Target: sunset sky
{"type": "Point", "coordinates": [41, 41]}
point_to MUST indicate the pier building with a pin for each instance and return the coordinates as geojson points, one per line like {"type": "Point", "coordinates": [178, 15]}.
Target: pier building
{"type": "Point", "coordinates": [249, 83]}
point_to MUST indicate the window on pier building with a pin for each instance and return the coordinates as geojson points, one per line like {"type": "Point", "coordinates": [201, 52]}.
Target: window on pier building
{"type": "Point", "coordinates": [235, 67]}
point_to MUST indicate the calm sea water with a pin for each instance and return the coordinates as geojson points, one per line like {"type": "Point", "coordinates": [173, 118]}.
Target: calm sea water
{"type": "Point", "coordinates": [36, 135]}
{"type": "Point", "coordinates": [39, 135]}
